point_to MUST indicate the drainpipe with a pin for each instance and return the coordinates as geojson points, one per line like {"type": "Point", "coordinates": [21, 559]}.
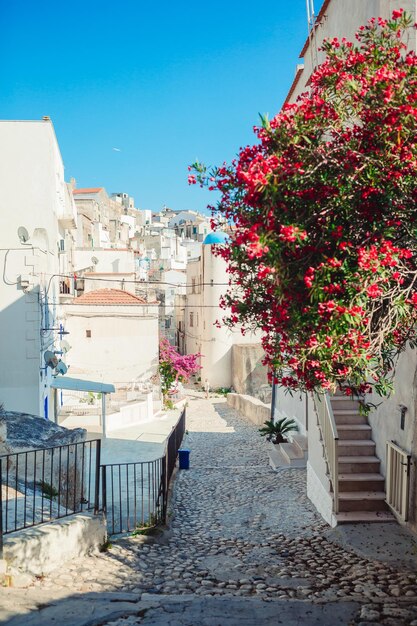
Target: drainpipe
{"type": "Point", "coordinates": [273, 398]}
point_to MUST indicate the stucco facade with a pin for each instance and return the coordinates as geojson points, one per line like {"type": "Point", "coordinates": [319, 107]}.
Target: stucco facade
{"type": "Point", "coordinates": [113, 342]}
{"type": "Point", "coordinates": [336, 20]}
{"type": "Point", "coordinates": [36, 217]}
{"type": "Point", "coordinates": [207, 281]}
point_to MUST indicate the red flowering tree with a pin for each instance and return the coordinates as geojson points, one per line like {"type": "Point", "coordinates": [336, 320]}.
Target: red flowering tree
{"type": "Point", "coordinates": [323, 209]}
{"type": "Point", "coordinates": [175, 368]}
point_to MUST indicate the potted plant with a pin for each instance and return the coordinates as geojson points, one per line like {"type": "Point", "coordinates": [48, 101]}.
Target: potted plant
{"type": "Point", "coordinates": [275, 431]}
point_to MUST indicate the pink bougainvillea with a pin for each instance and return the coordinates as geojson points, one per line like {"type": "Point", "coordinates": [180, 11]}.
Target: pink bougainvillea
{"type": "Point", "coordinates": [322, 253]}
{"type": "Point", "coordinates": [174, 367]}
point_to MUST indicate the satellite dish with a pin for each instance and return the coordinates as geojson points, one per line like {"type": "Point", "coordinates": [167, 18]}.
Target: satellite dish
{"type": "Point", "coordinates": [61, 368]}
{"type": "Point", "coordinates": [94, 260]}
{"type": "Point", "coordinates": [23, 234]}
{"type": "Point", "coordinates": [65, 346]}
{"type": "Point", "coordinates": [51, 359]}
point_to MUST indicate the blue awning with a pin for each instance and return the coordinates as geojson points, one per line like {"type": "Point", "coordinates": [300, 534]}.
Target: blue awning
{"type": "Point", "coordinates": [76, 384]}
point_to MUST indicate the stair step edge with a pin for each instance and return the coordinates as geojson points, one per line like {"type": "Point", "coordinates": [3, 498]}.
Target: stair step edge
{"type": "Point", "coordinates": [291, 450]}
{"type": "Point", "coordinates": [362, 495]}
{"type": "Point", "coordinates": [366, 516]}
{"type": "Point", "coordinates": [361, 476]}
{"type": "Point", "coordinates": [359, 459]}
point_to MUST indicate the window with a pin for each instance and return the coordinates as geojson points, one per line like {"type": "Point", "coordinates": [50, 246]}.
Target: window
{"type": "Point", "coordinates": [193, 281]}
{"type": "Point", "coordinates": [191, 319]}
{"type": "Point", "coordinates": [88, 333]}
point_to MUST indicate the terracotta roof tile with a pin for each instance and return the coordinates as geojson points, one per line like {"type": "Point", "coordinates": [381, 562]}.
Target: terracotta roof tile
{"type": "Point", "coordinates": [105, 297]}
{"type": "Point", "coordinates": [87, 190]}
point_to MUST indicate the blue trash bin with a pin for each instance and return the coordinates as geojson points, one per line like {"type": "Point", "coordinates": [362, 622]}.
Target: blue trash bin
{"type": "Point", "coordinates": [184, 458]}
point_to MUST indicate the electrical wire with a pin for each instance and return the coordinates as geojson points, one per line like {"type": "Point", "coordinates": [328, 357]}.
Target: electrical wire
{"type": "Point", "coordinates": [136, 282]}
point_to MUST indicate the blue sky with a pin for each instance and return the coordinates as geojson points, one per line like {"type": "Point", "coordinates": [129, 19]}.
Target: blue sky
{"type": "Point", "coordinates": [164, 82]}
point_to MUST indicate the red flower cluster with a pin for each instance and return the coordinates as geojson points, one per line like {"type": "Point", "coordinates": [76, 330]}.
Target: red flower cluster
{"type": "Point", "coordinates": [323, 250]}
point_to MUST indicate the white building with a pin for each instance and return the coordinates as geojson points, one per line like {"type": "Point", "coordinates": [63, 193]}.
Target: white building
{"type": "Point", "coordinates": [207, 281]}
{"type": "Point", "coordinates": [114, 336]}
{"type": "Point", "coordinates": [395, 419]}
{"type": "Point", "coordinates": [37, 216]}
{"type": "Point", "coordinates": [173, 283]}
{"type": "Point", "coordinates": [334, 20]}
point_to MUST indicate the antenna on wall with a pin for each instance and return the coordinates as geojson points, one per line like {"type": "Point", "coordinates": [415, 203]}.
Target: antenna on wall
{"type": "Point", "coordinates": [23, 234]}
{"type": "Point", "coordinates": [61, 368]}
{"type": "Point", "coordinates": [51, 360]}
{"type": "Point", "coordinates": [311, 25]}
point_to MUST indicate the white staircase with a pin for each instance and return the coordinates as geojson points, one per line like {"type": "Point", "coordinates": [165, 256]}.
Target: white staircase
{"type": "Point", "coordinates": [361, 487]}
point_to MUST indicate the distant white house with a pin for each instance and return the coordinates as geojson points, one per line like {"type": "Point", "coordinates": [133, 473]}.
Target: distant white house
{"type": "Point", "coordinates": [115, 337]}
{"type": "Point", "coordinates": [207, 281]}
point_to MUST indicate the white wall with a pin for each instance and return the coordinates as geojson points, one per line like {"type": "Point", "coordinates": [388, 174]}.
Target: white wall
{"type": "Point", "coordinates": [215, 344]}
{"type": "Point", "coordinates": [109, 260]}
{"type": "Point", "coordinates": [340, 22]}
{"type": "Point", "coordinates": [295, 406]}
{"type": "Point", "coordinates": [385, 419]}
{"type": "Point", "coordinates": [123, 346]}
{"type": "Point", "coordinates": [33, 195]}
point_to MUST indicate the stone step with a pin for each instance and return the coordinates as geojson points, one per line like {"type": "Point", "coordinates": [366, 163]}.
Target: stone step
{"type": "Point", "coordinates": [293, 453]}
{"type": "Point", "coordinates": [361, 482]}
{"type": "Point", "coordinates": [352, 416]}
{"type": "Point", "coordinates": [356, 447]}
{"type": "Point", "coordinates": [359, 465]}
{"type": "Point", "coordinates": [353, 517]}
{"type": "Point", "coordinates": [276, 458]}
{"type": "Point", "coordinates": [343, 402]}
{"type": "Point", "coordinates": [302, 442]}
{"type": "Point", "coordinates": [354, 431]}
{"type": "Point", "coordinates": [362, 501]}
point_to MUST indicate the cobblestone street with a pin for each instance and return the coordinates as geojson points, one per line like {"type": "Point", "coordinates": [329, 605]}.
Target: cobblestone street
{"type": "Point", "coordinates": [244, 546]}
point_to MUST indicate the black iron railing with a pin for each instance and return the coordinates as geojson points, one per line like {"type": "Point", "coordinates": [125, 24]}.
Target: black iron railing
{"type": "Point", "coordinates": [136, 494]}
{"type": "Point", "coordinates": [173, 444]}
{"type": "Point", "coordinates": [41, 485]}
{"type": "Point", "coordinates": [130, 495]}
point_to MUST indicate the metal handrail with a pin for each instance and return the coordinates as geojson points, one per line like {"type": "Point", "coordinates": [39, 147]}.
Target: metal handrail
{"type": "Point", "coordinates": [330, 440]}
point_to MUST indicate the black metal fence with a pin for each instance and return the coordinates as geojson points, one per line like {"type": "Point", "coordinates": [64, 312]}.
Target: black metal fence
{"type": "Point", "coordinates": [134, 495]}
{"type": "Point", "coordinates": [42, 485]}
{"type": "Point", "coordinates": [173, 444]}
{"type": "Point", "coordinates": [39, 486]}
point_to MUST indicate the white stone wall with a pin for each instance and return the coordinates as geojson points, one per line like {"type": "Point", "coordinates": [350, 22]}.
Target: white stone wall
{"type": "Point", "coordinates": [215, 344]}
{"type": "Point", "coordinates": [41, 550]}
{"type": "Point", "coordinates": [123, 346]}
{"type": "Point", "coordinates": [33, 196]}
{"type": "Point", "coordinates": [109, 260]}
{"type": "Point", "coordinates": [295, 405]}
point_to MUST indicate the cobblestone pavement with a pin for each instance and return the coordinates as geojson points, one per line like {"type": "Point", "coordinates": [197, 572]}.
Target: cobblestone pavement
{"type": "Point", "coordinates": [238, 530]}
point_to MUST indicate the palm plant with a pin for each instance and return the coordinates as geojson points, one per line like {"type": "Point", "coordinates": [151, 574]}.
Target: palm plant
{"type": "Point", "coordinates": [275, 431]}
